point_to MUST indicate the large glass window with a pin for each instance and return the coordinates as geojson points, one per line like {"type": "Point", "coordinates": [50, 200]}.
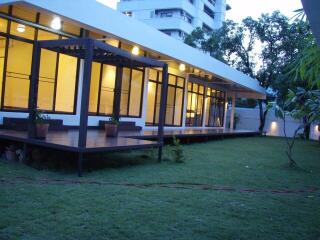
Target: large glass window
{"type": "Point", "coordinates": [131, 92]}
{"type": "Point", "coordinates": [175, 96]}
{"type": "Point", "coordinates": [195, 105]}
{"type": "Point", "coordinates": [17, 74]}
{"type": "Point", "coordinates": [57, 73]}
{"type": "Point", "coordinates": [215, 108]}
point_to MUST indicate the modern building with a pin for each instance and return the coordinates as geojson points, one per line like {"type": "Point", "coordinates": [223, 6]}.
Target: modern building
{"type": "Point", "coordinates": [176, 17]}
{"type": "Point", "coordinates": [82, 62]}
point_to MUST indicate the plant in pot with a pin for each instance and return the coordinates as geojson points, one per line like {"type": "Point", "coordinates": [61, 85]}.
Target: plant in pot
{"type": "Point", "coordinates": [112, 127]}
{"type": "Point", "coordinates": [42, 125]}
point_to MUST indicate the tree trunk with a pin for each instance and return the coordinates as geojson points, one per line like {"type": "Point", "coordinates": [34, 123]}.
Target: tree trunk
{"type": "Point", "coordinates": [263, 114]}
{"type": "Point", "coordinates": [306, 129]}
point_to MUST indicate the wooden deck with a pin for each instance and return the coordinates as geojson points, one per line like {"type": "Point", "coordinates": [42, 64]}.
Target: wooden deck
{"type": "Point", "coordinates": [97, 141]}
{"type": "Point", "coordinates": [68, 141]}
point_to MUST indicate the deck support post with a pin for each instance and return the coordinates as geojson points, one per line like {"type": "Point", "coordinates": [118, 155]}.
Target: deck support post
{"type": "Point", "coordinates": [117, 93]}
{"type": "Point", "coordinates": [33, 91]}
{"type": "Point", "coordinates": [85, 93]}
{"type": "Point", "coordinates": [80, 164]}
{"type": "Point", "coordinates": [233, 109]}
{"type": "Point", "coordinates": [162, 111]}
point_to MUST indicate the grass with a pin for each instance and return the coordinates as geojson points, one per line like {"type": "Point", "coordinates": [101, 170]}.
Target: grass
{"type": "Point", "coordinates": [116, 202]}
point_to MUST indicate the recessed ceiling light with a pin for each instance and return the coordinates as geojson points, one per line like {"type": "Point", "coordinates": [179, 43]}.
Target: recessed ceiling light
{"type": "Point", "coordinates": [182, 67]}
{"type": "Point", "coordinates": [21, 28]}
{"type": "Point", "coordinates": [56, 23]}
{"type": "Point", "coordinates": [135, 50]}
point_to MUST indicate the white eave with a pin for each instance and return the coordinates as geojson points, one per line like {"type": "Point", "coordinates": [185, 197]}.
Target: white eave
{"type": "Point", "coordinates": [97, 16]}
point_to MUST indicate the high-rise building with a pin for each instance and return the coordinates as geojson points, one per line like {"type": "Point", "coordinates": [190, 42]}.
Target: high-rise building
{"type": "Point", "coordinates": [176, 17]}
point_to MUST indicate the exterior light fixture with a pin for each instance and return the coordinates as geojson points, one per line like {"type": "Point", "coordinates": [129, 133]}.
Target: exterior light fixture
{"type": "Point", "coordinates": [182, 67]}
{"type": "Point", "coordinates": [135, 50]}
{"type": "Point", "coordinates": [56, 23]}
{"type": "Point", "coordinates": [21, 28]}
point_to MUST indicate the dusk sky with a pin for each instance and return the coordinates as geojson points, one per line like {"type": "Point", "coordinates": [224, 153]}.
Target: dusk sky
{"type": "Point", "coordinates": [244, 8]}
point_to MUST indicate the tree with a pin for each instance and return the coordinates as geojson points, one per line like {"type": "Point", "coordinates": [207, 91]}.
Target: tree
{"type": "Point", "coordinates": [300, 103]}
{"type": "Point", "coordinates": [259, 48]}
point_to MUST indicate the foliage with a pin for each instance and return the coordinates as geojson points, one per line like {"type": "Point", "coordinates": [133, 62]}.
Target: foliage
{"type": "Point", "coordinates": [177, 150]}
{"type": "Point", "coordinates": [41, 118]}
{"type": "Point", "coordinates": [300, 104]}
{"type": "Point", "coordinates": [260, 48]}
{"type": "Point", "coordinates": [114, 120]}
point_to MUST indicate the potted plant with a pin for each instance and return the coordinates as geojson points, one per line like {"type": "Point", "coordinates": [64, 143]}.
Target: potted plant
{"type": "Point", "coordinates": [11, 154]}
{"type": "Point", "coordinates": [112, 127]}
{"type": "Point", "coordinates": [42, 125]}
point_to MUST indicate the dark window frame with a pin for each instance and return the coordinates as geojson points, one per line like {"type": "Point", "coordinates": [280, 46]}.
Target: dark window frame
{"type": "Point", "coordinates": [192, 92]}
{"type": "Point", "coordinates": [218, 100]}
{"type": "Point", "coordinates": [9, 17]}
{"type": "Point", "coordinates": [159, 84]}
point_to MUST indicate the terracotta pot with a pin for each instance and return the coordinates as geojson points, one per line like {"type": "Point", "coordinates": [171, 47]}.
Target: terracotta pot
{"type": "Point", "coordinates": [11, 156]}
{"type": "Point", "coordinates": [111, 130]}
{"type": "Point", "coordinates": [42, 130]}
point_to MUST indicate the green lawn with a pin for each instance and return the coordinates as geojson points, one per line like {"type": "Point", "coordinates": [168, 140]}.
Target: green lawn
{"type": "Point", "coordinates": [141, 199]}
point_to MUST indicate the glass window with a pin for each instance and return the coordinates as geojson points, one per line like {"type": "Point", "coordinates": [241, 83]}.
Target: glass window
{"type": "Point", "coordinates": [194, 116]}
{"type": "Point", "coordinates": [17, 74]}
{"type": "Point", "coordinates": [175, 99]}
{"type": "Point", "coordinates": [3, 25]}
{"type": "Point", "coordinates": [107, 89]}
{"type": "Point", "coordinates": [66, 83]}
{"type": "Point", "coordinates": [94, 87]}
{"type": "Point", "coordinates": [136, 93]}
{"type": "Point", "coordinates": [47, 79]}
{"type": "Point", "coordinates": [125, 91]}
{"type": "Point", "coordinates": [215, 108]}
{"type": "Point", "coordinates": [2, 56]}
{"type": "Point", "coordinates": [22, 30]}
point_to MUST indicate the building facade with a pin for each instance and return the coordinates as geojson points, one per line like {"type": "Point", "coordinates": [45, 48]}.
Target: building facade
{"type": "Point", "coordinates": [176, 17]}
{"type": "Point", "coordinates": [198, 84]}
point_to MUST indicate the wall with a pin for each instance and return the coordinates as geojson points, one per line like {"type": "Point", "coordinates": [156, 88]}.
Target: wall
{"type": "Point", "coordinates": [249, 120]}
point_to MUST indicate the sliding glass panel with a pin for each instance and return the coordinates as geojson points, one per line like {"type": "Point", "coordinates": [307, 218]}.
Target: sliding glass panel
{"type": "Point", "coordinates": [125, 91]}
{"type": "Point", "coordinates": [195, 105]}
{"type": "Point", "coordinates": [107, 89]}
{"type": "Point", "coordinates": [66, 83]}
{"type": "Point", "coordinates": [156, 120]}
{"type": "Point", "coordinates": [44, 35]}
{"type": "Point", "coordinates": [2, 55]}
{"type": "Point", "coordinates": [170, 106]}
{"type": "Point", "coordinates": [17, 75]}
{"type": "Point", "coordinates": [152, 88]}
{"type": "Point", "coordinates": [136, 93]}
{"type": "Point", "coordinates": [178, 107]}
{"type": "Point", "coordinates": [94, 87]}
{"type": "Point", "coordinates": [47, 76]}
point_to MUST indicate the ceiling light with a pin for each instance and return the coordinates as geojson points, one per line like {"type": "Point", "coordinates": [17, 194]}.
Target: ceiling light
{"type": "Point", "coordinates": [56, 23]}
{"type": "Point", "coordinates": [135, 50]}
{"type": "Point", "coordinates": [182, 67]}
{"type": "Point", "coordinates": [21, 28]}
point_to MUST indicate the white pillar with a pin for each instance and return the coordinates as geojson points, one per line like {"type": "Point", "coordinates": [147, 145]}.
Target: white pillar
{"type": "Point", "coordinates": [233, 109]}
{"type": "Point", "coordinates": [225, 111]}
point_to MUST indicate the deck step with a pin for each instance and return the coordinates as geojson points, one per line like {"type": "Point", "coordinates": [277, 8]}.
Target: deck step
{"type": "Point", "coordinates": [123, 126]}
{"type": "Point", "coordinates": [21, 124]}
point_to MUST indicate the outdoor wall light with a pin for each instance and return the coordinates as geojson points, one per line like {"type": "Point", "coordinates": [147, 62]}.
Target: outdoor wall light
{"type": "Point", "coordinates": [21, 28]}
{"type": "Point", "coordinates": [56, 23]}
{"type": "Point", "coordinates": [182, 67]}
{"type": "Point", "coordinates": [135, 50]}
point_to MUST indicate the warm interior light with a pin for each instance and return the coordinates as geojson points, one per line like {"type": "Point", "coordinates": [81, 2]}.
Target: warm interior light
{"type": "Point", "coordinates": [182, 67]}
{"type": "Point", "coordinates": [274, 125]}
{"type": "Point", "coordinates": [56, 23]}
{"type": "Point", "coordinates": [21, 28]}
{"type": "Point", "coordinates": [135, 50]}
